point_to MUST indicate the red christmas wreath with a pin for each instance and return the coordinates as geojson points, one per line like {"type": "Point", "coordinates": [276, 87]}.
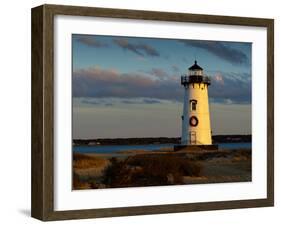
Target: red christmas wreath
{"type": "Point", "coordinates": [193, 121]}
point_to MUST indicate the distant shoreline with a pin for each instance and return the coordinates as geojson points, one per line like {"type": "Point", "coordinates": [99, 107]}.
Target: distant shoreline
{"type": "Point", "coordinates": [158, 140]}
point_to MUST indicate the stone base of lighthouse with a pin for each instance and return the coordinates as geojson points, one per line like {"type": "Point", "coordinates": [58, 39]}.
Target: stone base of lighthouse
{"type": "Point", "coordinates": [211, 147]}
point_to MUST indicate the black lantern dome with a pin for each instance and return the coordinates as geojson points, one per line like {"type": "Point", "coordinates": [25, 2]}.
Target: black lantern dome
{"type": "Point", "coordinates": [195, 67]}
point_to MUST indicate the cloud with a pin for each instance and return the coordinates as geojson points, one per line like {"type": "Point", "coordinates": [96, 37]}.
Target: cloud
{"type": "Point", "coordinates": [142, 101]}
{"type": "Point", "coordinates": [152, 101]}
{"type": "Point", "coordinates": [104, 83]}
{"type": "Point", "coordinates": [159, 73]}
{"type": "Point", "coordinates": [231, 88]}
{"type": "Point", "coordinates": [129, 101]}
{"type": "Point", "coordinates": [116, 101]}
{"type": "Point", "coordinates": [221, 50]}
{"type": "Point", "coordinates": [218, 78]}
{"type": "Point", "coordinates": [99, 83]}
{"type": "Point", "coordinates": [175, 68]}
{"type": "Point", "coordinates": [140, 49]}
{"type": "Point", "coordinates": [91, 101]}
{"type": "Point", "coordinates": [91, 41]}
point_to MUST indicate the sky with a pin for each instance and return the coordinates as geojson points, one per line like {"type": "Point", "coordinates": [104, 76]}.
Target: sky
{"type": "Point", "coordinates": [130, 86]}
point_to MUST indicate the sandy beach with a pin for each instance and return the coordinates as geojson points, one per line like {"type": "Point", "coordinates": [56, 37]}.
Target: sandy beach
{"type": "Point", "coordinates": [137, 168]}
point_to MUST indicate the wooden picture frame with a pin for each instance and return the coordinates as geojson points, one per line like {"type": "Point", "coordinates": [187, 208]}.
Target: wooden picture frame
{"type": "Point", "coordinates": [42, 204]}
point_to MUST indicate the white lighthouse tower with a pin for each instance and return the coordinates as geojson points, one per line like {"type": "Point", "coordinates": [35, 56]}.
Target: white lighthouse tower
{"type": "Point", "coordinates": [196, 126]}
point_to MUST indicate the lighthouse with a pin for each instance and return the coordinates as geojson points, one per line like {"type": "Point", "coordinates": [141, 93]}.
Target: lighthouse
{"type": "Point", "coordinates": [196, 125]}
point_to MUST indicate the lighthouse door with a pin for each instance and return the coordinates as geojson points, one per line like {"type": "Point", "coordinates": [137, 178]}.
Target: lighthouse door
{"type": "Point", "coordinates": [192, 137]}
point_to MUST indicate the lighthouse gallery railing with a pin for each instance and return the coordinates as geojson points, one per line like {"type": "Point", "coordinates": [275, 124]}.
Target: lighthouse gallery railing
{"type": "Point", "coordinates": [185, 79]}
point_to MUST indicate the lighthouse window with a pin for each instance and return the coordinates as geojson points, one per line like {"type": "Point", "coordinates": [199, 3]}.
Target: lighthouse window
{"type": "Point", "coordinates": [193, 105]}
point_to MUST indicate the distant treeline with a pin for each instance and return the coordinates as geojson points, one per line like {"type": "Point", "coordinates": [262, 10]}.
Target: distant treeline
{"type": "Point", "coordinates": [159, 140]}
{"type": "Point", "coordinates": [232, 138]}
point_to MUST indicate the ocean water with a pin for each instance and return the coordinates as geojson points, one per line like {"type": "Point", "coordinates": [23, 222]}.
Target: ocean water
{"type": "Point", "coordinates": [147, 147]}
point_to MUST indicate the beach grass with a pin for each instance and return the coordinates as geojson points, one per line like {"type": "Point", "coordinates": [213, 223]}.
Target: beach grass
{"type": "Point", "coordinates": [155, 168]}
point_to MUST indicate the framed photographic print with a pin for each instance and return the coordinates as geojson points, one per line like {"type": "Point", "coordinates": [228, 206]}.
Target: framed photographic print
{"type": "Point", "coordinates": [141, 112]}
